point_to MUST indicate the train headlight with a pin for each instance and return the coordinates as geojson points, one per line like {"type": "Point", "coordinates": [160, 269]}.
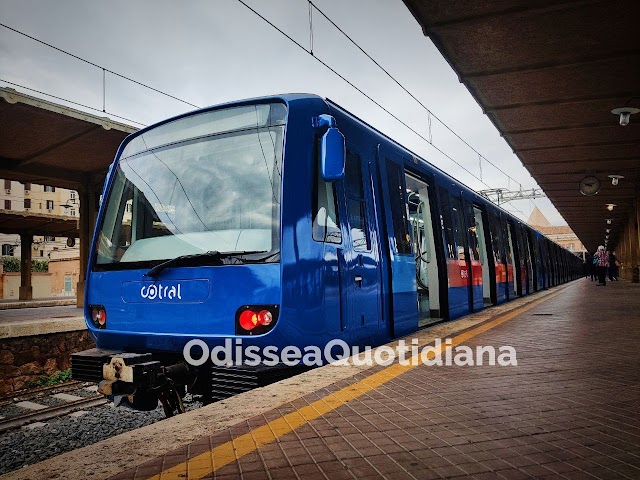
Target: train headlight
{"type": "Point", "coordinates": [98, 316]}
{"type": "Point", "coordinates": [256, 319]}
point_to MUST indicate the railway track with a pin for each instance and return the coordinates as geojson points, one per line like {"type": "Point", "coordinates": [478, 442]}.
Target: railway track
{"type": "Point", "coordinates": [29, 406]}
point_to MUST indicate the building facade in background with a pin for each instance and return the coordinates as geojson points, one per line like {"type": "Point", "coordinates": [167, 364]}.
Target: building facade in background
{"type": "Point", "coordinates": [64, 261]}
{"type": "Point", "coordinates": [31, 197]}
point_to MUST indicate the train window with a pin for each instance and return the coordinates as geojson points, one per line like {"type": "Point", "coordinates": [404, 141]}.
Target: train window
{"type": "Point", "coordinates": [446, 223]}
{"type": "Point", "coordinates": [353, 175]}
{"type": "Point", "coordinates": [494, 229]}
{"type": "Point", "coordinates": [358, 224]}
{"type": "Point", "coordinates": [420, 218]}
{"type": "Point", "coordinates": [474, 243]}
{"type": "Point", "coordinates": [326, 224]}
{"type": "Point", "coordinates": [457, 213]}
{"type": "Point", "coordinates": [356, 204]}
{"type": "Point", "coordinates": [398, 208]}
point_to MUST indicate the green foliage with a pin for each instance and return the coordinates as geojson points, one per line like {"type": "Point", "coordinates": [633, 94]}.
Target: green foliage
{"type": "Point", "coordinates": [12, 264]}
{"type": "Point", "coordinates": [46, 381]}
{"type": "Point", "coordinates": [39, 265]}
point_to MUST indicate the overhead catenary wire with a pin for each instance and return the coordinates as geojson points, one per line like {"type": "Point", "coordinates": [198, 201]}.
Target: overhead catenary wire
{"type": "Point", "coordinates": [362, 92]}
{"type": "Point", "coordinates": [97, 66]}
{"type": "Point", "coordinates": [312, 6]}
{"type": "Point", "coordinates": [406, 90]}
{"type": "Point", "coordinates": [309, 51]}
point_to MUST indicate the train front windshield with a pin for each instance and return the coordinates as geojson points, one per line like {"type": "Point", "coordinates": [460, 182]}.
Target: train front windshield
{"type": "Point", "coordinates": [206, 182]}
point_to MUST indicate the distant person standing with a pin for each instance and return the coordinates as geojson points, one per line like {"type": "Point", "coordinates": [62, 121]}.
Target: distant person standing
{"type": "Point", "coordinates": [590, 268]}
{"type": "Point", "coordinates": [601, 261]}
{"type": "Point", "coordinates": [614, 266]}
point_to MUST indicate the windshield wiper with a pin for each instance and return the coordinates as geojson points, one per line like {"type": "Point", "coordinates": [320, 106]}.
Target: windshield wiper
{"type": "Point", "coordinates": [214, 254]}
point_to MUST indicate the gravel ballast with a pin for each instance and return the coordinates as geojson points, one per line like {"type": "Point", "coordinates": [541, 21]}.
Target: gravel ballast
{"type": "Point", "coordinates": [24, 446]}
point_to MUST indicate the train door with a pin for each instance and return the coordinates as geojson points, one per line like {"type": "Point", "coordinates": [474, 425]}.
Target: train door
{"type": "Point", "coordinates": [420, 194]}
{"type": "Point", "coordinates": [512, 262]}
{"type": "Point", "coordinates": [526, 246]}
{"type": "Point", "coordinates": [484, 255]}
{"type": "Point", "coordinates": [399, 249]}
{"type": "Point", "coordinates": [521, 262]}
{"type": "Point", "coordinates": [497, 248]}
{"type": "Point", "coordinates": [361, 277]}
{"type": "Point", "coordinates": [454, 238]}
{"type": "Point", "coordinates": [532, 239]}
{"type": "Point", "coordinates": [474, 252]}
{"type": "Point", "coordinates": [545, 261]}
{"type": "Point", "coordinates": [551, 266]}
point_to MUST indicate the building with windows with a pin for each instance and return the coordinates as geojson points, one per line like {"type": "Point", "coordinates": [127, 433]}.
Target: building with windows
{"type": "Point", "coordinates": [31, 197]}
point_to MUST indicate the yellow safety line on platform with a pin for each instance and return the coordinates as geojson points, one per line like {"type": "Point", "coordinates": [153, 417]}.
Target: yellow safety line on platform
{"type": "Point", "coordinates": [205, 463]}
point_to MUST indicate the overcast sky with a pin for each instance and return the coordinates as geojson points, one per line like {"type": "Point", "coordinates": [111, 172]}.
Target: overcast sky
{"type": "Point", "coordinates": [209, 52]}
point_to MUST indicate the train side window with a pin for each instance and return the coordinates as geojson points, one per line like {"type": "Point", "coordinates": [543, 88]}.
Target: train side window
{"type": "Point", "coordinates": [456, 211]}
{"type": "Point", "coordinates": [326, 224]}
{"type": "Point", "coordinates": [446, 223]}
{"type": "Point", "coordinates": [494, 229]}
{"type": "Point", "coordinates": [399, 209]}
{"type": "Point", "coordinates": [356, 203]}
{"type": "Point", "coordinates": [506, 231]}
{"type": "Point", "coordinates": [474, 243]}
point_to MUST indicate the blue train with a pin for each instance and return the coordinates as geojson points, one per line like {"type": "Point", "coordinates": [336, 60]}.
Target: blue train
{"type": "Point", "coordinates": [282, 221]}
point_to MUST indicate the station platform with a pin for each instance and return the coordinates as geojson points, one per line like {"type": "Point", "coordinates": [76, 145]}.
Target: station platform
{"type": "Point", "coordinates": [569, 409]}
{"type": "Point", "coordinates": [40, 320]}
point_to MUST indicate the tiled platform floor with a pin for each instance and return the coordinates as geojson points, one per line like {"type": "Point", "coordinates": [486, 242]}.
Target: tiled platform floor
{"type": "Point", "coordinates": [570, 409]}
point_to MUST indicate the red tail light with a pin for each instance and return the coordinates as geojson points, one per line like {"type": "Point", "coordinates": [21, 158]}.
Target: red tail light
{"type": "Point", "coordinates": [256, 319]}
{"type": "Point", "coordinates": [98, 316]}
{"type": "Point", "coordinates": [248, 320]}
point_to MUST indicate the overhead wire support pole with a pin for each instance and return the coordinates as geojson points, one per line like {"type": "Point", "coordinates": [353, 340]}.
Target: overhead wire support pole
{"type": "Point", "coordinates": [310, 28]}
{"type": "Point", "coordinates": [504, 195]}
{"type": "Point", "coordinates": [359, 90]}
{"type": "Point", "coordinates": [386, 72]}
{"type": "Point", "coordinates": [104, 91]}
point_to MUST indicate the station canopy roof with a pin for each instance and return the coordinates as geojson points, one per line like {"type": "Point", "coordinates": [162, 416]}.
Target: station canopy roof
{"type": "Point", "coordinates": [46, 143]}
{"type": "Point", "coordinates": [548, 74]}
{"type": "Point", "coordinates": [38, 224]}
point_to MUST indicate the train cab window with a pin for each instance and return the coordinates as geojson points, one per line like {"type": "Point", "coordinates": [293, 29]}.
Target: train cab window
{"type": "Point", "coordinates": [326, 224]}
{"type": "Point", "coordinates": [447, 224]}
{"type": "Point", "coordinates": [356, 203]}
{"type": "Point", "coordinates": [398, 209]}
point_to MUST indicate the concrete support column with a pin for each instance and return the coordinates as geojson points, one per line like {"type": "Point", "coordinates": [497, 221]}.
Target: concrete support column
{"type": "Point", "coordinates": [88, 211]}
{"type": "Point", "coordinates": [635, 242]}
{"type": "Point", "coordinates": [26, 290]}
{"type": "Point", "coordinates": [1, 279]}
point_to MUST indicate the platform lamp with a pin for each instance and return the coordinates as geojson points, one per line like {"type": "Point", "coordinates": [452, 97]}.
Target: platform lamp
{"type": "Point", "coordinates": [615, 179]}
{"type": "Point", "coordinates": [626, 111]}
{"type": "Point", "coordinates": [70, 203]}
